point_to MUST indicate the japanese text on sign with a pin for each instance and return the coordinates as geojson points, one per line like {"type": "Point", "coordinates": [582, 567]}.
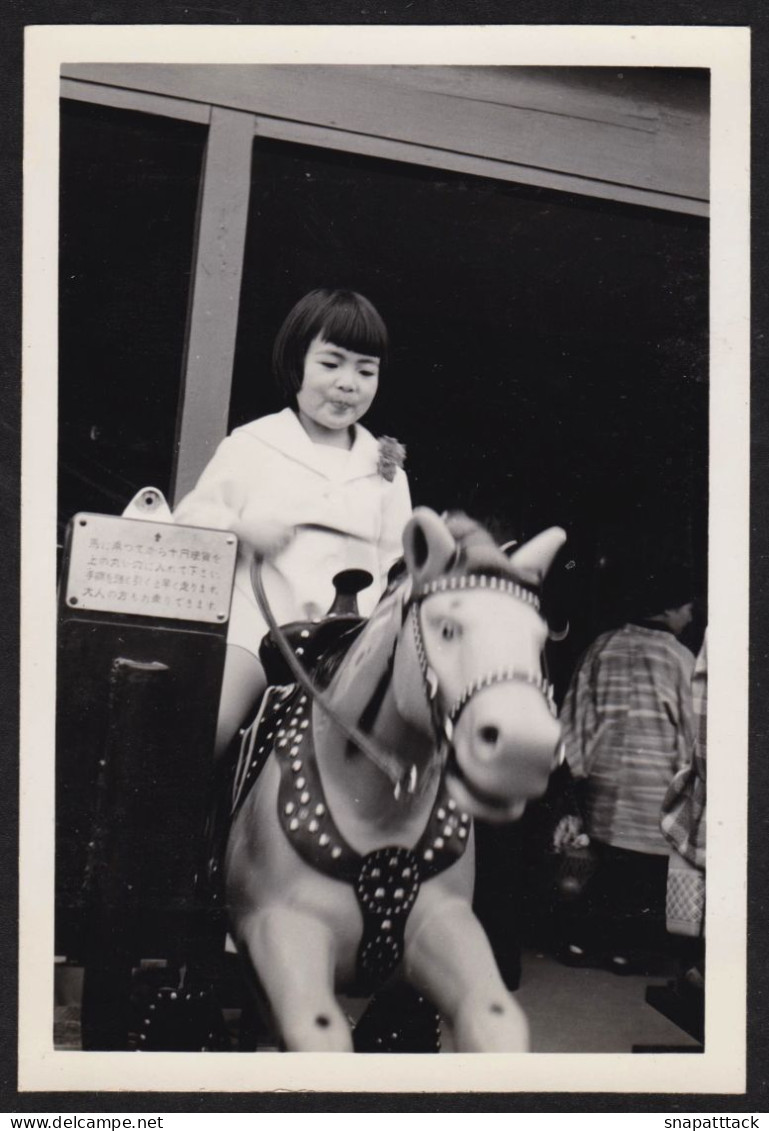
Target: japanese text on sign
{"type": "Point", "coordinates": [156, 569]}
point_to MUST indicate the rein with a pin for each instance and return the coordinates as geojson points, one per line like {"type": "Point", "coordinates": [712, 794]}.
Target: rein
{"type": "Point", "coordinates": [443, 721]}
{"type": "Point", "coordinates": [385, 760]}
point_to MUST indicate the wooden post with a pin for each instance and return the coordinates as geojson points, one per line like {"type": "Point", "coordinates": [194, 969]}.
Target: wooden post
{"type": "Point", "coordinates": [213, 316]}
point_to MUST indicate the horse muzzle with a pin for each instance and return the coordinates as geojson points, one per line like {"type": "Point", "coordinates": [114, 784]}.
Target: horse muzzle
{"type": "Point", "coordinates": [504, 749]}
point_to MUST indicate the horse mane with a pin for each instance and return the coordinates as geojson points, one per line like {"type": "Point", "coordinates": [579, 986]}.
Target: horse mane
{"type": "Point", "coordinates": [477, 551]}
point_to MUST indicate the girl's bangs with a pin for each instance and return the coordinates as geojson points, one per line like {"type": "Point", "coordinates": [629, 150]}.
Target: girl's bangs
{"type": "Point", "coordinates": [354, 328]}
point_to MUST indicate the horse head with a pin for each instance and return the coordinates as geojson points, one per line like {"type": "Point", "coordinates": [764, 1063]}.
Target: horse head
{"type": "Point", "coordinates": [477, 641]}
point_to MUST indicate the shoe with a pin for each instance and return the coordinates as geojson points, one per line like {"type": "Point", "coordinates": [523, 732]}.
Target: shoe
{"type": "Point", "coordinates": [623, 965]}
{"type": "Point", "coordinates": [574, 955]}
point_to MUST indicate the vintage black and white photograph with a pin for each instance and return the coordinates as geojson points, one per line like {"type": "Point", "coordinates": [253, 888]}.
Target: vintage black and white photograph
{"type": "Point", "coordinates": [391, 471]}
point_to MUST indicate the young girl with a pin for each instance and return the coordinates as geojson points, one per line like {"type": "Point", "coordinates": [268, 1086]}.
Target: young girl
{"type": "Point", "coordinates": [308, 489]}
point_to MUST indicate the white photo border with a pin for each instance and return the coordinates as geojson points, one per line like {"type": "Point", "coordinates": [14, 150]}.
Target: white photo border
{"type": "Point", "coordinates": [726, 53]}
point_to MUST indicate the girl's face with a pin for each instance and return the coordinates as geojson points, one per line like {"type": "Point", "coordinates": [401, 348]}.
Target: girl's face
{"type": "Point", "coordinates": [338, 388]}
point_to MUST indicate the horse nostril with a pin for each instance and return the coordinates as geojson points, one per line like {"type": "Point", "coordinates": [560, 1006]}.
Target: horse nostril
{"type": "Point", "coordinates": [490, 735]}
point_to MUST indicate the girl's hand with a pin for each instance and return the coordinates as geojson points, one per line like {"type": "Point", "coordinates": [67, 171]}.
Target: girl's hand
{"type": "Point", "coordinates": [267, 537]}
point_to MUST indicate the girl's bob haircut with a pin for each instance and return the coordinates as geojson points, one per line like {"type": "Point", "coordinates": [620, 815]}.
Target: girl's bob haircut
{"type": "Point", "coordinates": [342, 317]}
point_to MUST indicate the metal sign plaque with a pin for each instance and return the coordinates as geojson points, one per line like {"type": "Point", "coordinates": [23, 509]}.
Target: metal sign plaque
{"type": "Point", "coordinates": [150, 569]}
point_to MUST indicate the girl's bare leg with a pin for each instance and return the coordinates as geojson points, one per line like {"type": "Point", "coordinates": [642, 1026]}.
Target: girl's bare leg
{"type": "Point", "coordinates": [243, 685]}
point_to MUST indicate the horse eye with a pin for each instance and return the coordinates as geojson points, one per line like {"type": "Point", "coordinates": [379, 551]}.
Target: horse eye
{"type": "Point", "coordinates": [448, 630]}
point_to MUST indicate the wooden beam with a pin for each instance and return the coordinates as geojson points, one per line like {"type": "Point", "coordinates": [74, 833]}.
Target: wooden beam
{"type": "Point", "coordinates": [123, 99]}
{"type": "Point", "coordinates": [213, 315]}
{"type": "Point", "coordinates": [281, 130]}
{"type": "Point", "coordinates": [642, 128]}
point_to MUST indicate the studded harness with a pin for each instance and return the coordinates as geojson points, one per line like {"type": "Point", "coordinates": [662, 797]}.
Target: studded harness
{"type": "Point", "coordinates": [386, 881]}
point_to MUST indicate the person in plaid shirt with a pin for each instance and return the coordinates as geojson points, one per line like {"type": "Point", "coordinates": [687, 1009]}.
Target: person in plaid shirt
{"type": "Point", "coordinates": [628, 728]}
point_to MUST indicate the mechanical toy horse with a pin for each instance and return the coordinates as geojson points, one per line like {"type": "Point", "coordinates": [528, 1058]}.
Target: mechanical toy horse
{"type": "Point", "coordinates": [350, 859]}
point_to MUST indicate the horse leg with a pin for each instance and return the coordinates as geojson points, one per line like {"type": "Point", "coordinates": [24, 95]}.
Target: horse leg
{"type": "Point", "coordinates": [293, 955]}
{"type": "Point", "coordinates": [449, 959]}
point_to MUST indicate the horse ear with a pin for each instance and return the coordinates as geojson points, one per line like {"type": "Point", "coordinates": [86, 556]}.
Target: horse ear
{"type": "Point", "coordinates": [532, 560]}
{"type": "Point", "coordinates": [428, 546]}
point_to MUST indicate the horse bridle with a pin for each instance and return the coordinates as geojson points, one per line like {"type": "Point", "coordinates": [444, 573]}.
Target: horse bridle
{"type": "Point", "coordinates": [443, 721]}
{"type": "Point", "coordinates": [445, 724]}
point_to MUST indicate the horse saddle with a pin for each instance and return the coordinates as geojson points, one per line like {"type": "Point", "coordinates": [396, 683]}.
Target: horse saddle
{"type": "Point", "coordinates": [311, 641]}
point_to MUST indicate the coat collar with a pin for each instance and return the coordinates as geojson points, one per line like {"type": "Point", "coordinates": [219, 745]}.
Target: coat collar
{"type": "Point", "coordinates": [652, 625]}
{"type": "Point", "coordinates": [284, 432]}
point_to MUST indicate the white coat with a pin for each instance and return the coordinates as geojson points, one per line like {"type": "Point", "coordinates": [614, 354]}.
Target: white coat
{"type": "Point", "coordinates": [346, 515]}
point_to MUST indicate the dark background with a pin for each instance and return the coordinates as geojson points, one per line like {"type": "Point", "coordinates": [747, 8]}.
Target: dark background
{"type": "Point", "coordinates": [549, 358]}
{"type": "Point", "coordinates": [19, 13]}
{"type": "Point", "coordinates": [127, 208]}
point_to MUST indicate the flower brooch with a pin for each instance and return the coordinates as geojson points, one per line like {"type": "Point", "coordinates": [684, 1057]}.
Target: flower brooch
{"type": "Point", "coordinates": [392, 455]}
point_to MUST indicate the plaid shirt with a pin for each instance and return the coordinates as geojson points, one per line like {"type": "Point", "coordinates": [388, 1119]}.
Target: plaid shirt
{"type": "Point", "coordinates": [628, 728]}
{"type": "Point", "coordinates": [683, 810]}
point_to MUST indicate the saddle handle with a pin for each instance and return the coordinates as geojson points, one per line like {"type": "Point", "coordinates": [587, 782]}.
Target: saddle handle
{"type": "Point", "coordinates": [348, 583]}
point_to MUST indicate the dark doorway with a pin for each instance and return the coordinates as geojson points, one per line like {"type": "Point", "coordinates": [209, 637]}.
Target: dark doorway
{"type": "Point", "coordinates": [549, 358]}
{"type": "Point", "coordinates": [128, 199]}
